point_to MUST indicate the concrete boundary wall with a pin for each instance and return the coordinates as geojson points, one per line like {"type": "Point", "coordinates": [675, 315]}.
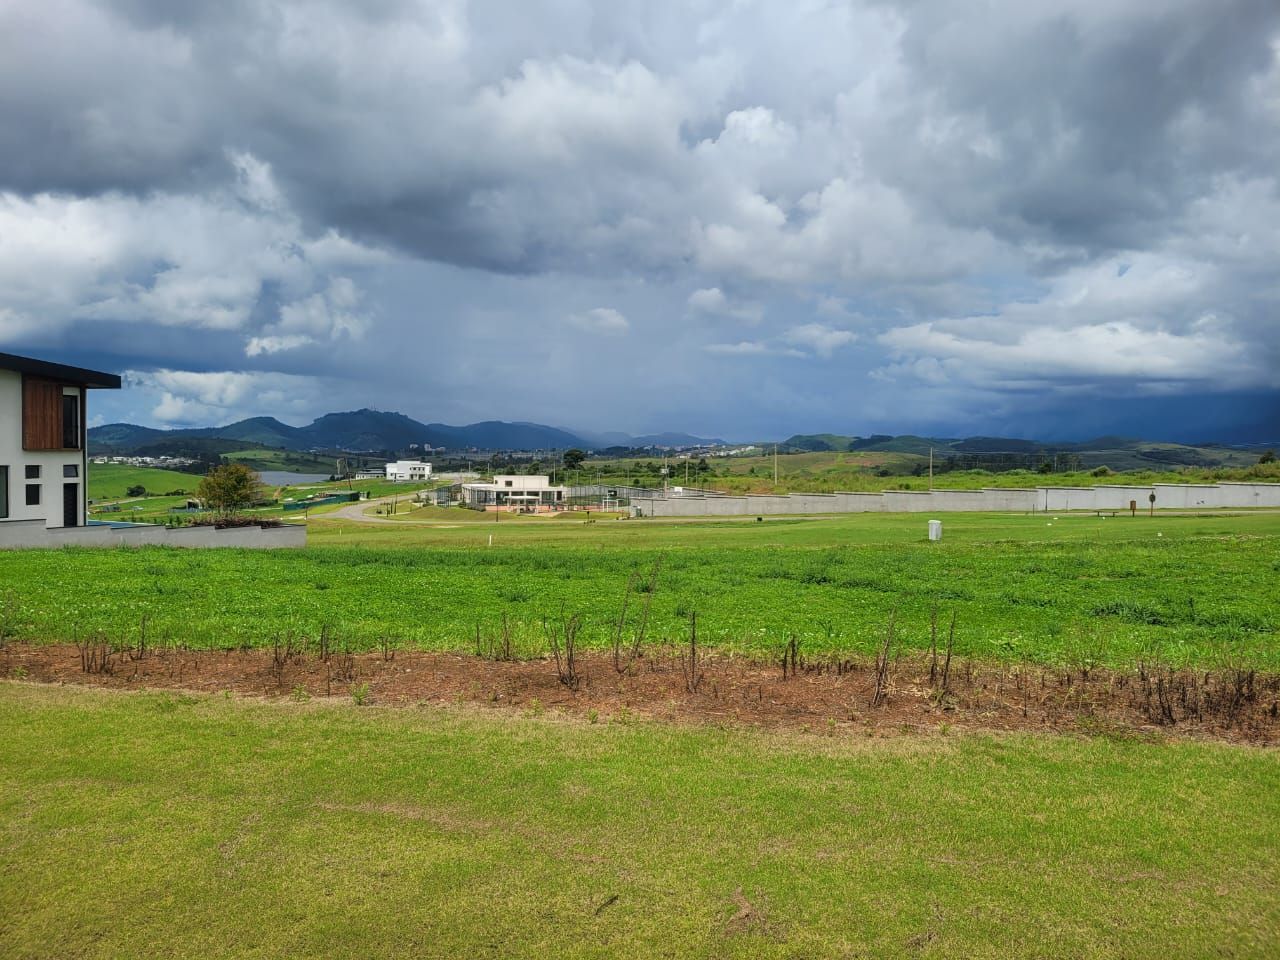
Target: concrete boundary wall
{"type": "Point", "coordinates": [33, 534]}
{"type": "Point", "coordinates": [859, 503]}
{"type": "Point", "coordinates": [989, 499]}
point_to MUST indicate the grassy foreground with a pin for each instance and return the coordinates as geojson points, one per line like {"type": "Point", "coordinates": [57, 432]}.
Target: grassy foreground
{"type": "Point", "coordinates": [215, 827]}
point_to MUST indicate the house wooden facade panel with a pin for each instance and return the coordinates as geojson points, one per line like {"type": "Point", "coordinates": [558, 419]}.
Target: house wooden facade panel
{"type": "Point", "coordinates": [41, 414]}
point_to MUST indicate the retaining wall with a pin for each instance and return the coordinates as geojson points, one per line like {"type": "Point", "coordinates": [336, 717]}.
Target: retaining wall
{"type": "Point", "coordinates": [33, 534]}
{"type": "Point", "coordinates": [993, 499]}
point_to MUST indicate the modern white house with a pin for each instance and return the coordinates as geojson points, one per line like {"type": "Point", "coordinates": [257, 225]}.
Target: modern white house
{"type": "Point", "coordinates": [44, 440]}
{"type": "Point", "coordinates": [405, 470]}
{"type": "Point", "coordinates": [514, 492]}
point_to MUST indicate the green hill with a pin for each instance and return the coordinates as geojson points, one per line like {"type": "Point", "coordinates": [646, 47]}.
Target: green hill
{"type": "Point", "coordinates": [109, 481]}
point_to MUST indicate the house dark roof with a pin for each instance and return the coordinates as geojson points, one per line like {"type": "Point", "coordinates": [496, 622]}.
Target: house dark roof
{"type": "Point", "coordinates": [59, 371]}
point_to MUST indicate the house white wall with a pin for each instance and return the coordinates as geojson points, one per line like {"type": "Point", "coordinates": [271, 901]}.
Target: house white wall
{"type": "Point", "coordinates": [408, 470]}
{"type": "Point", "coordinates": [521, 481]}
{"type": "Point", "coordinates": [51, 463]}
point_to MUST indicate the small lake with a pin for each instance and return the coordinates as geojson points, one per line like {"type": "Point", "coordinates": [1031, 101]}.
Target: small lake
{"type": "Point", "coordinates": [280, 478]}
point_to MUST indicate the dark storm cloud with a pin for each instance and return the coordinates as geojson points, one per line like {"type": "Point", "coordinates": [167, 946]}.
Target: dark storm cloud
{"type": "Point", "coordinates": [952, 204]}
{"type": "Point", "coordinates": [1106, 126]}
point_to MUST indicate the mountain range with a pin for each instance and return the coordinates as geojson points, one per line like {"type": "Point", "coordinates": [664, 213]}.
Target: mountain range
{"type": "Point", "coordinates": [376, 430]}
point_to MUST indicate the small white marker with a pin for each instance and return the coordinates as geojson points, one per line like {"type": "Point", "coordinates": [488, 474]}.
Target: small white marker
{"type": "Point", "coordinates": [491, 539]}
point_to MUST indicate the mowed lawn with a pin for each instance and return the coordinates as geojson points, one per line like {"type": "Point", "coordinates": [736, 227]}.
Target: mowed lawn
{"type": "Point", "coordinates": [1074, 591]}
{"type": "Point", "coordinates": [156, 824]}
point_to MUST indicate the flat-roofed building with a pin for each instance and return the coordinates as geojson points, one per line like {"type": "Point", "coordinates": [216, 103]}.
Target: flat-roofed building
{"type": "Point", "coordinates": [406, 470]}
{"type": "Point", "coordinates": [515, 493]}
{"type": "Point", "coordinates": [44, 439]}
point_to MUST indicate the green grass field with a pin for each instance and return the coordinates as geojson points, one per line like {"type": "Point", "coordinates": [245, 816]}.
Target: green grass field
{"type": "Point", "coordinates": [157, 824]}
{"type": "Point", "coordinates": [1185, 589]}
{"type": "Point", "coordinates": [828, 471]}
{"type": "Point", "coordinates": [111, 481]}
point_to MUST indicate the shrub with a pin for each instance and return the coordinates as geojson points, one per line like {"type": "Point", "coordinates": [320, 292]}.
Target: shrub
{"type": "Point", "coordinates": [230, 489]}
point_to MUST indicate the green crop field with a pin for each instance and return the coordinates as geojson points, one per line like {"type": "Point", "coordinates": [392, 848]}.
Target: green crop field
{"type": "Point", "coordinates": [111, 481]}
{"type": "Point", "coordinates": [1184, 589]}
{"type": "Point", "coordinates": [160, 824]}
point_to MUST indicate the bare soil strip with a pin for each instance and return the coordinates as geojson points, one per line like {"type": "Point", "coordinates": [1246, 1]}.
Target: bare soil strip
{"type": "Point", "coordinates": [824, 696]}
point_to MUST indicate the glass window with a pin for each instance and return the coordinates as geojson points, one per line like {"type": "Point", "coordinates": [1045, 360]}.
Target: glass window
{"type": "Point", "coordinates": [33, 472]}
{"type": "Point", "coordinates": [71, 470]}
{"type": "Point", "coordinates": [70, 422]}
{"type": "Point", "coordinates": [33, 494]}
{"type": "Point", "coordinates": [4, 492]}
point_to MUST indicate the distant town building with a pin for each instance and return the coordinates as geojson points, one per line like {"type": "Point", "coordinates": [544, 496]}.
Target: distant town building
{"type": "Point", "coordinates": [515, 492]}
{"type": "Point", "coordinates": [406, 470]}
{"type": "Point", "coordinates": [44, 439]}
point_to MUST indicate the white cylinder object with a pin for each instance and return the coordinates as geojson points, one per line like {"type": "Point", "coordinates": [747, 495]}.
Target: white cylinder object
{"type": "Point", "coordinates": [935, 529]}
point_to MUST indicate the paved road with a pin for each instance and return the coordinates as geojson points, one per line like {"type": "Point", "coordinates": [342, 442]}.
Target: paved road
{"type": "Point", "coordinates": [355, 511]}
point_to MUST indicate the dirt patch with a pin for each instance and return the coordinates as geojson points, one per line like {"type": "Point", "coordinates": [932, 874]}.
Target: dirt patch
{"type": "Point", "coordinates": [830, 696]}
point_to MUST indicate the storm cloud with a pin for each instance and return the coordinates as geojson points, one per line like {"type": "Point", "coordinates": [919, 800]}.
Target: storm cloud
{"type": "Point", "coordinates": [732, 218]}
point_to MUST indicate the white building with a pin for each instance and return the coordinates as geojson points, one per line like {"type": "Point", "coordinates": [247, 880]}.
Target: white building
{"type": "Point", "coordinates": [403, 470]}
{"type": "Point", "coordinates": [515, 492]}
{"type": "Point", "coordinates": [44, 440]}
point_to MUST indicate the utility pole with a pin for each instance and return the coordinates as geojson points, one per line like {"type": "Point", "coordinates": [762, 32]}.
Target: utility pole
{"type": "Point", "coordinates": [775, 467]}
{"type": "Point", "coordinates": [931, 468]}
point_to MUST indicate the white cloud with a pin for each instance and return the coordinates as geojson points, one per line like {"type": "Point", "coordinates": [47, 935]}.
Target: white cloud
{"type": "Point", "coordinates": [184, 397]}
{"type": "Point", "coordinates": [822, 340]}
{"type": "Point", "coordinates": [741, 348]}
{"type": "Point", "coordinates": [1118, 351]}
{"type": "Point", "coordinates": [602, 320]}
{"type": "Point", "coordinates": [320, 318]}
{"type": "Point", "coordinates": [711, 301]}
{"type": "Point", "coordinates": [176, 260]}
{"type": "Point", "coordinates": [276, 344]}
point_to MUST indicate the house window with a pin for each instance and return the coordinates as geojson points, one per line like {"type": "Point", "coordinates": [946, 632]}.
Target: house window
{"type": "Point", "coordinates": [33, 471]}
{"type": "Point", "coordinates": [507, 482]}
{"type": "Point", "coordinates": [71, 422]}
{"type": "Point", "coordinates": [4, 493]}
{"type": "Point", "coordinates": [33, 494]}
{"type": "Point", "coordinates": [71, 470]}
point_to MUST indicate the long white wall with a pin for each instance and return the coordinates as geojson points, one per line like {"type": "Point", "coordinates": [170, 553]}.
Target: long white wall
{"type": "Point", "coordinates": [20, 534]}
{"type": "Point", "coordinates": [993, 499]}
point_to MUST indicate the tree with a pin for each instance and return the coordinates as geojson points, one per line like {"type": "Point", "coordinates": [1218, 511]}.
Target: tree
{"type": "Point", "coordinates": [1268, 457]}
{"type": "Point", "coordinates": [137, 490]}
{"type": "Point", "coordinates": [573, 458]}
{"type": "Point", "coordinates": [229, 488]}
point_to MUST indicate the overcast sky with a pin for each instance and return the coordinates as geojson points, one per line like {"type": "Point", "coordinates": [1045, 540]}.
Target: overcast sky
{"type": "Point", "coordinates": [741, 219]}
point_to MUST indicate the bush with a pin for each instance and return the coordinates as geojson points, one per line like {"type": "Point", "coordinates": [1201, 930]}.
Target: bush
{"type": "Point", "coordinates": [1102, 471]}
{"type": "Point", "coordinates": [137, 490]}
